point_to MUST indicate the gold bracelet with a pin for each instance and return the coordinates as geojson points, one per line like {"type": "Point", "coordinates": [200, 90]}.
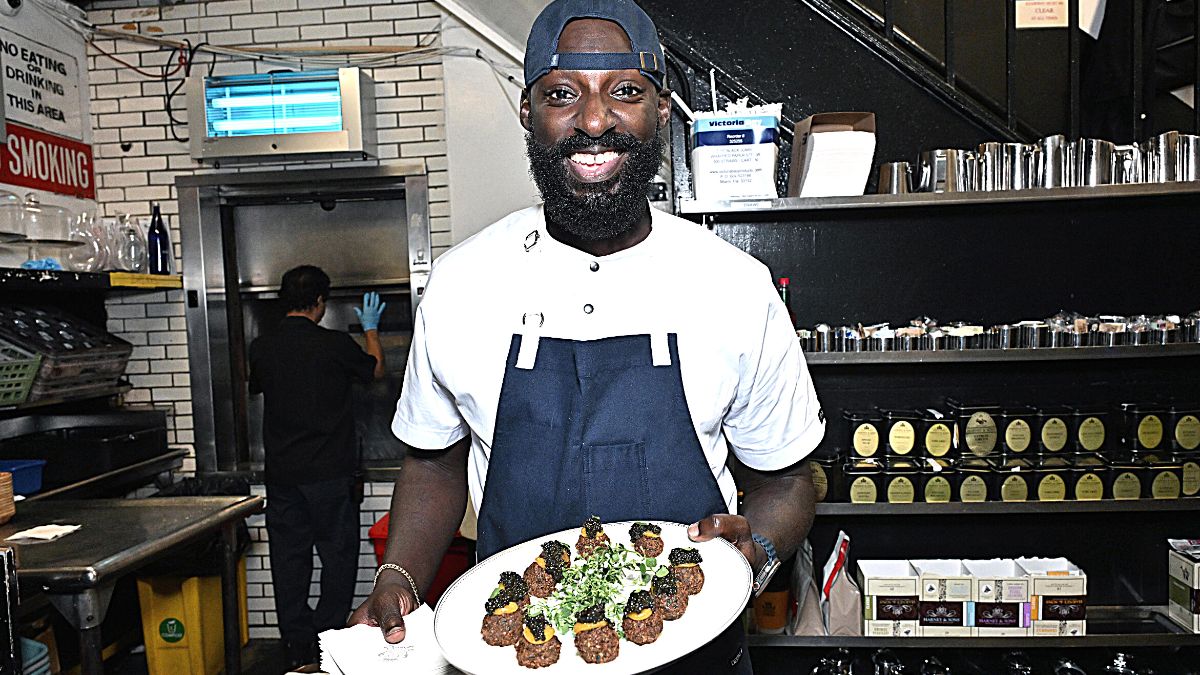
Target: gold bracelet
{"type": "Point", "coordinates": [401, 570]}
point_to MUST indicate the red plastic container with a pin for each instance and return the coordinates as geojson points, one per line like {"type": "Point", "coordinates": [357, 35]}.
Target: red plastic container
{"type": "Point", "coordinates": [456, 561]}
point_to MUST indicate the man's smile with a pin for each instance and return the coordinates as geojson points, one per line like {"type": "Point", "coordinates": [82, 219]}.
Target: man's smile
{"type": "Point", "coordinates": [595, 166]}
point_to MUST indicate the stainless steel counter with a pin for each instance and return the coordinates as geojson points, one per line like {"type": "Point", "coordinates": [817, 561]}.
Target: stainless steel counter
{"type": "Point", "coordinates": [119, 536]}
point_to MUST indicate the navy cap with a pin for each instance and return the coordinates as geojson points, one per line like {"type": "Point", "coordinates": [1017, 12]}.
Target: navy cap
{"type": "Point", "coordinates": [541, 51]}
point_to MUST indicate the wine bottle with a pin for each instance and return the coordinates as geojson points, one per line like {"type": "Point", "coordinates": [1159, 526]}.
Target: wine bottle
{"type": "Point", "coordinates": [785, 294]}
{"type": "Point", "coordinates": [159, 241]}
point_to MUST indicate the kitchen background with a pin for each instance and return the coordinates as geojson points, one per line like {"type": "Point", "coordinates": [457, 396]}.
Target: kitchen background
{"type": "Point", "coordinates": [137, 159]}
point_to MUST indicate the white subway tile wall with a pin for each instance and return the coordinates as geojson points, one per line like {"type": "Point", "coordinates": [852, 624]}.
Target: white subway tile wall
{"type": "Point", "coordinates": [139, 155]}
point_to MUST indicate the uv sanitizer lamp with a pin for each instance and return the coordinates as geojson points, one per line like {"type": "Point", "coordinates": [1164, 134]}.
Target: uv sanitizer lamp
{"type": "Point", "coordinates": [326, 113]}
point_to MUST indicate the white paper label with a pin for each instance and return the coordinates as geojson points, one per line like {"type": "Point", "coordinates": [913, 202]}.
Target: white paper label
{"type": "Point", "coordinates": [1041, 14]}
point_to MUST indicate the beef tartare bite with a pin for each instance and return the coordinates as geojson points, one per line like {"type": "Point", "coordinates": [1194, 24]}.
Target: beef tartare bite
{"type": "Point", "coordinates": [643, 621]}
{"type": "Point", "coordinates": [685, 563]}
{"type": "Point", "coordinates": [646, 539]}
{"type": "Point", "coordinates": [668, 598]}
{"type": "Point", "coordinates": [537, 646]}
{"type": "Point", "coordinates": [514, 587]}
{"type": "Point", "coordinates": [547, 570]}
{"type": "Point", "coordinates": [502, 625]}
{"type": "Point", "coordinates": [595, 639]}
{"type": "Point", "coordinates": [591, 537]}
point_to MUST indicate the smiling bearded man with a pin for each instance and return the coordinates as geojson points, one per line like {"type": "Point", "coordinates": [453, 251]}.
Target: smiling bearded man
{"type": "Point", "coordinates": [601, 210]}
{"type": "Point", "coordinates": [556, 367]}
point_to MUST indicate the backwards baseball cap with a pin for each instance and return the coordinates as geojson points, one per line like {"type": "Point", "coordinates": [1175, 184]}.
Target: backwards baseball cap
{"type": "Point", "coordinates": [542, 55]}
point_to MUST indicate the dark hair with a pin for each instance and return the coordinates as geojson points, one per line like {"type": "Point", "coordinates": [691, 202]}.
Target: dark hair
{"type": "Point", "coordinates": [302, 287]}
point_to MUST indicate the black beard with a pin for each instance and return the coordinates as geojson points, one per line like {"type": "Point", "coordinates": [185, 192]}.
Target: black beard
{"type": "Point", "coordinates": [595, 211]}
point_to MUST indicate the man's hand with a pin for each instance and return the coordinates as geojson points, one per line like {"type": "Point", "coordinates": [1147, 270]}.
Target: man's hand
{"type": "Point", "coordinates": [370, 312]}
{"type": "Point", "coordinates": [386, 607]}
{"type": "Point", "coordinates": [736, 530]}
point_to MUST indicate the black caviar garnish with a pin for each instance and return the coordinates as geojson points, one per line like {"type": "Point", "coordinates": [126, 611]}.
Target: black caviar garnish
{"type": "Point", "coordinates": [639, 600]}
{"type": "Point", "coordinates": [536, 623]}
{"type": "Point", "coordinates": [593, 614]}
{"type": "Point", "coordinates": [684, 556]}
{"type": "Point", "coordinates": [514, 585]}
{"type": "Point", "coordinates": [496, 603]}
{"type": "Point", "coordinates": [667, 584]}
{"type": "Point", "coordinates": [638, 529]}
{"type": "Point", "coordinates": [592, 527]}
{"type": "Point", "coordinates": [552, 553]}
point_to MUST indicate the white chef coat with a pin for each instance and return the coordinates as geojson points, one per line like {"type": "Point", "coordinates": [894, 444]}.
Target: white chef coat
{"type": "Point", "coordinates": [744, 377]}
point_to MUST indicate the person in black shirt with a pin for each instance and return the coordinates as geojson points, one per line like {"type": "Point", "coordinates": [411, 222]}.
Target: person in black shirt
{"type": "Point", "coordinates": [305, 373]}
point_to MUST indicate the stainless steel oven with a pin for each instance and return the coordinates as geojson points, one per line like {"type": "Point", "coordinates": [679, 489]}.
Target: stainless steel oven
{"type": "Point", "coordinates": [367, 228]}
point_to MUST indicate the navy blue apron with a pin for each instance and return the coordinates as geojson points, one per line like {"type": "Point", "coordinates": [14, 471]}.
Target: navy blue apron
{"type": "Point", "coordinates": [595, 427]}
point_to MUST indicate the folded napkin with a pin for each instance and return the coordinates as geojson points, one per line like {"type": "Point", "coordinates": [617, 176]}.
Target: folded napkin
{"type": "Point", "coordinates": [361, 649]}
{"type": "Point", "coordinates": [43, 532]}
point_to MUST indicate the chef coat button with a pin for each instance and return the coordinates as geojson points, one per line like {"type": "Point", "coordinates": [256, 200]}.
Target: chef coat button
{"type": "Point", "coordinates": [587, 309]}
{"type": "Point", "coordinates": [595, 266]}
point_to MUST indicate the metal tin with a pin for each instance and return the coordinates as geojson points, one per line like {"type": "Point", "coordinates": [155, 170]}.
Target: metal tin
{"type": "Point", "coordinates": [826, 469]}
{"type": "Point", "coordinates": [974, 480]}
{"type": "Point", "coordinates": [865, 428]}
{"type": "Point", "coordinates": [1034, 334]}
{"type": "Point", "coordinates": [1052, 479]}
{"type": "Point", "coordinates": [1145, 427]}
{"type": "Point", "coordinates": [1189, 474]}
{"type": "Point", "coordinates": [1162, 335]}
{"type": "Point", "coordinates": [1016, 431]}
{"type": "Point", "coordinates": [976, 429]}
{"type": "Point", "coordinates": [902, 481]}
{"type": "Point", "coordinates": [880, 343]}
{"type": "Point", "coordinates": [824, 335]}
{"type": "Point", "coordinates": [901, 430]}
{"type": "Point", "coordinates": [1164, 477]}
{"type": "Point", "coordinates": [1053, 431]}
{"type": "Point", "coordinates": [1127, 479]}
{"type": "Point", "coordinates": [1184, 427]}
{"type": "Point", "coordinates": [864, 481]}
{"type": "Point", "coordinates": [1089, 429]}
{"type": "Point", "coordinates": [1012, 480]}
{"type": "Point", "coordinates": [939, 481]}
{"type": "Point", "coordinates": [1004, 336]}
{"type": "Point", "coordinates": [937, 435]}
{"type": "Point", "coordinates": [1089, 478]}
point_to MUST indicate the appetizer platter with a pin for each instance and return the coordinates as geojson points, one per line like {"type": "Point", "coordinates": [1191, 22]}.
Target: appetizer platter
{"type": "Point", "coordinates": [604, 598]}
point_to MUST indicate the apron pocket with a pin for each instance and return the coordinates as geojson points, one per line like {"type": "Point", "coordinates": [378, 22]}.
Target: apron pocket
{"type": "Point", "coordinates": [615, 480]}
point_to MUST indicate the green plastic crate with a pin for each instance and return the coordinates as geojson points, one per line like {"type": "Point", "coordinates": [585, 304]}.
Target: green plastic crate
{"type": "Point", "coordinates": [18, 368]}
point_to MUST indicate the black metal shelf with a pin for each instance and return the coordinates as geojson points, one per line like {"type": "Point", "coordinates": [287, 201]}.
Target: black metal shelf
{"type": "Point", "coordinates": [17, 279]}
{"type": "Point", "coordinates": [1001, 508]}
{"type": "Point", "coordinates": [116, 389]}
{"type": "Point", "coordinates": [1108, 626]}
{"type": "Point", "coordinates": [1083, 641]}
{"type": "Point", "coordinates": [1000, 355]}
{"type": "Point", "coordinates": [758, 207]}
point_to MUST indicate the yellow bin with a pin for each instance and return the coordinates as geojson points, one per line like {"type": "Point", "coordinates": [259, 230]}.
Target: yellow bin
{"type": "Point", "coordinates": [181, 623]}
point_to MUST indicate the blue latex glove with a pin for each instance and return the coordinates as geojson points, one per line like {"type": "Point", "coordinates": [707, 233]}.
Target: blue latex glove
{"type": "Point", "coordinates": [42, 264]}
{"type": "Point", "coordinates": [371, 310]}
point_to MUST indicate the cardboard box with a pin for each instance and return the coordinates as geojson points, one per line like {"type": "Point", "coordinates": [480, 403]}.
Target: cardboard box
{"type": "Point", "coordinates": [1000, 598]}
{"type": "Point", "coordinates": [890, 596]}
{"type": "Point", "coordinates": [944, 595]}
{"type": "Point", "coordinates": [1184, 590]}
{"type": "Point", "coordinates": [1058, 597]}
{"type": "Point", "coordinates": [832, 155]}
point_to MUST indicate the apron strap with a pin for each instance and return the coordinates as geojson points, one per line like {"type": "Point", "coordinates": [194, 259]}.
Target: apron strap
{"type": "Point", "coordinates": [660, 349]}
{"type": "Point", "coordinates": [531, 325]}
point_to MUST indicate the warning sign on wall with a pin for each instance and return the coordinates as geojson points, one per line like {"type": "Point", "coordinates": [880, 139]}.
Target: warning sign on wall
{"type": "Point", "coordinates": [43, 161]}
{"type": "Point", "coordinates": [41, 86]}
{"type": "Point", "coordinates": [1042, 14]}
